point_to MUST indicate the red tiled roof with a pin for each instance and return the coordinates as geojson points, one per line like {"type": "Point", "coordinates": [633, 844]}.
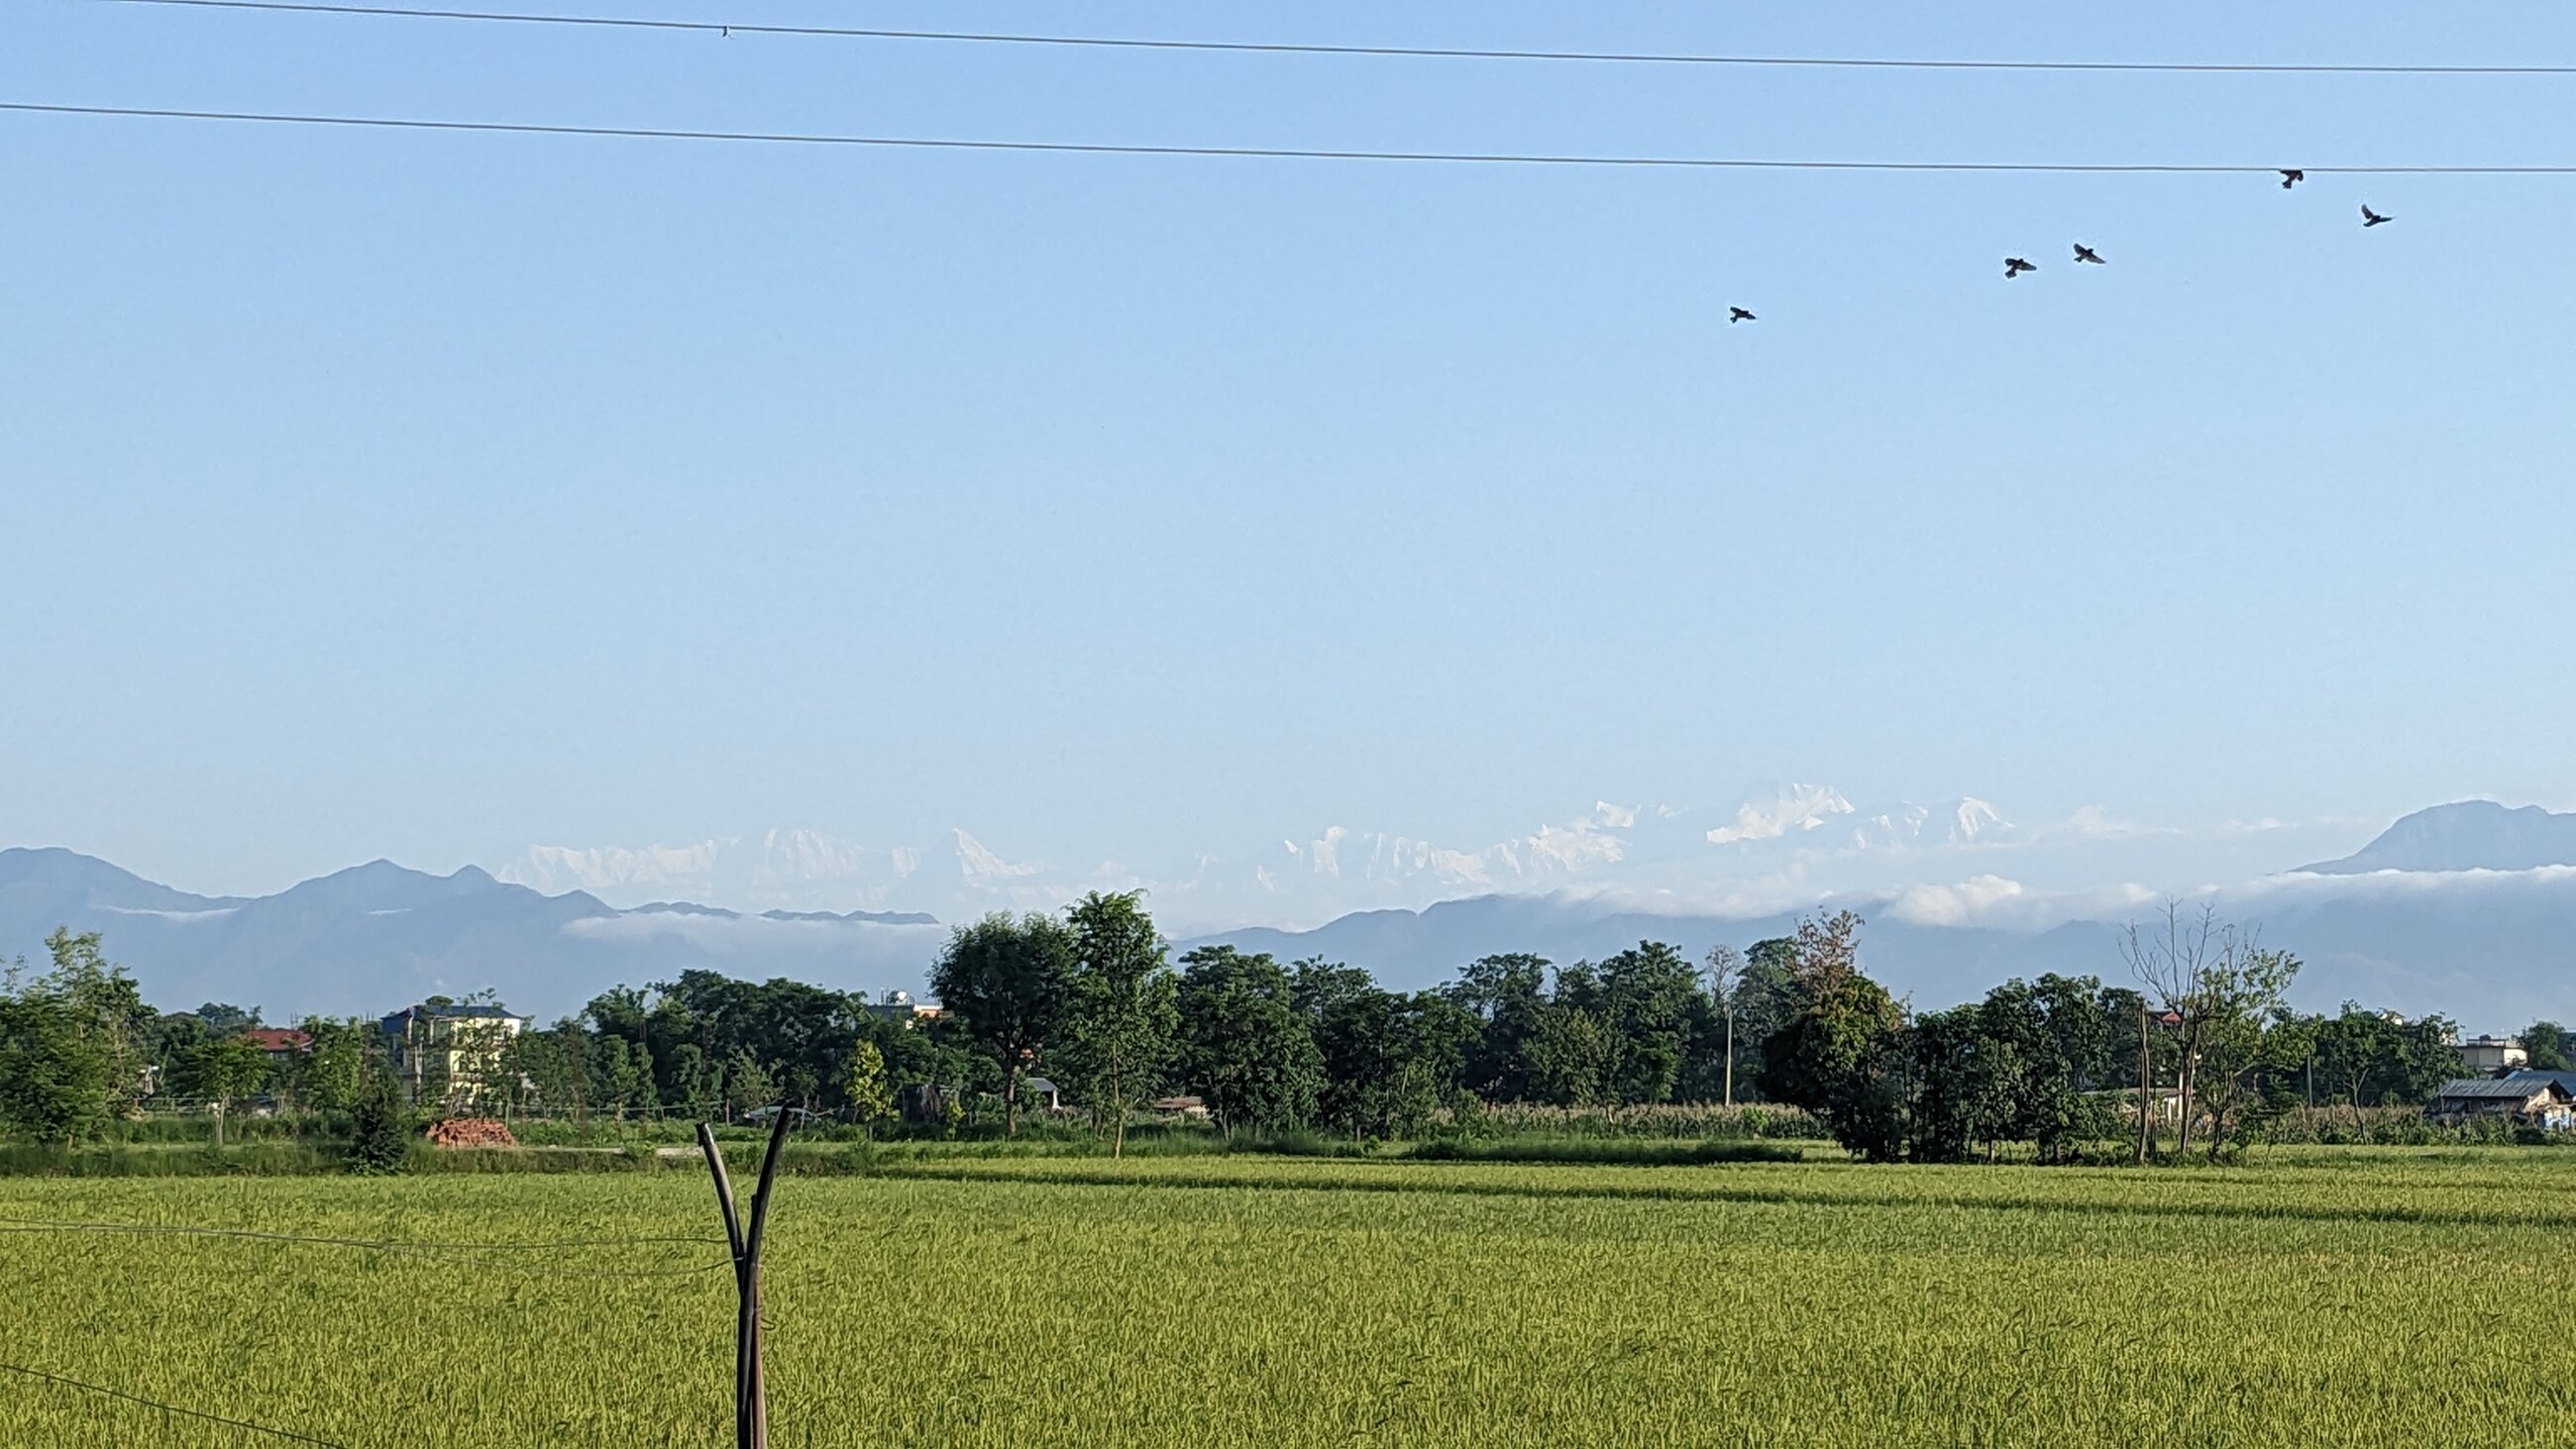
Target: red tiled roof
{"type": "Point", "coordinates": [277, 1039]}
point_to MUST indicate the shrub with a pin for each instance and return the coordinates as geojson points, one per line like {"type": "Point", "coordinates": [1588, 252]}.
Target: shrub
{"type": "Point", "coordinates": [380, 1126]}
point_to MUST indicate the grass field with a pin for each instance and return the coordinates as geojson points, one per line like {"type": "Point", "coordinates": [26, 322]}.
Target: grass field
{"type": "Point", "coordinates": [2328, 1296]}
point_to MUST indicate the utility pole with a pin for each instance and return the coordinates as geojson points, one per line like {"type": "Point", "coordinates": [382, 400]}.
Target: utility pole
{"type": "Point", "coordinates": [750, 1396]}
{"type": "Point", "coordinates": [1725, 975]}
{"type": "Point", "coordinates": [1730, 1051]}
{"type": "Point", "coordinates": [2146, 1078]}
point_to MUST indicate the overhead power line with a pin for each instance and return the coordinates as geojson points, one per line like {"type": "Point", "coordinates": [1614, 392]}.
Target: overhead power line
{"type": "Point", "coordinates": [101, 1389]}
{"type": "Point", "coordinates": [1290, 153]}
{"type": "Point", "coordinates": [469, 1254]}
{"type": "Point", "coordinates": [44, 1225]}
{"type": "Point", "coordinates": [1424, 52]}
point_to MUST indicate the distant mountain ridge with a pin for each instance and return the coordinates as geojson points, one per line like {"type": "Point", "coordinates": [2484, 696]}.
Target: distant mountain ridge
{"type": "Point", "coordinates": [375, 937]}
{"type": "Point", "coordinates": [2465, 835]}
{"type": "Point", "coordinates": [2466, 909]}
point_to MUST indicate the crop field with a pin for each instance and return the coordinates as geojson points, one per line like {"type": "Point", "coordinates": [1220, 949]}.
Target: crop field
{"type": "Point", "coordinates": [2349, 1297]}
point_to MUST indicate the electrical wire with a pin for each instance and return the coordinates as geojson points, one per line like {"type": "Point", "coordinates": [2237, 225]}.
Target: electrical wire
{"type": "Point", "coordinates": [467, 1254]}
{"type": "Point", "coordinates": [1092, 148]}
{"type": "Point", "coordinates": [88, 1388]}
{"type": "Point", "coordinates": [712, 27]}
{"type": "Point", "coordinates": [45, 1224]}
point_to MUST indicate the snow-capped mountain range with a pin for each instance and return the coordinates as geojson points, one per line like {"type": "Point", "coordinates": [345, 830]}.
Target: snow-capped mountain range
{"type": "Point", "coordinates": [2462, 908]}
{"type": "Point", "coordinates": [1302, 878]}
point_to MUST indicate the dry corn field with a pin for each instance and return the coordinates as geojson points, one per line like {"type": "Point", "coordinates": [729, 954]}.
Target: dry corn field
{"type": "Point", "coordinates": [2348, 1297]}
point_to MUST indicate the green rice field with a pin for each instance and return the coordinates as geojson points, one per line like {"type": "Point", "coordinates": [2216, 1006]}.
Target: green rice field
{"type": "Point", "coordinates": [2324, 1296]}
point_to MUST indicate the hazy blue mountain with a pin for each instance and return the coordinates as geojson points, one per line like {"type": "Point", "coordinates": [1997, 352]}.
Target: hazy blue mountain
{"type": "Point", "coordinates": [2488, 951]}
{"type": "Point", "coordinates": [2487, 947]}
{"type": "Point", "coordinates": [1937, 965]}
{"type": "Point", "coordinates": [57, 881]}
{"type": "Point", "coordinates": [375, 937]}
{"type": "Point", "coordinates": [2469, 835]}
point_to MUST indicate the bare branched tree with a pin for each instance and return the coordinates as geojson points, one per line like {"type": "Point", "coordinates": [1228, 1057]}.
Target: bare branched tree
{"type": "Point", "coordinates": [2211, 981]}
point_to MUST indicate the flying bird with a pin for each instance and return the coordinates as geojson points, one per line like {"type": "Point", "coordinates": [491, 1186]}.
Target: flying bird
{"type": "Point", "coordinates": [1738, 314]}
{"type": "Point", "coordinates": [2291, 178]}
{"type": "Point", "coordinates": [2084, 253]}
{"type": "Point", "coordinates": [2371, 218]}
{"type": "Point", "coordinates": [2015, 266]}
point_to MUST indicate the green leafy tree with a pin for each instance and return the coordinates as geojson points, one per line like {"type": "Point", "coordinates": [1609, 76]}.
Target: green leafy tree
{"type": "Point", "coordinates": [1388, 1059]}
{"type": "Point", "coordinates": [1243, 1043]}
{"type": "Point", "coordinates": [1654, 1013]}
{"type": "Point", "coordinates": [696, 1080]}
{"type": "Point", "coordinates": [219, 1071]}
{"type": "Point", "coordinates": [1571, 1055]}
{"type": "Point", "coordinates": [223, 1019]}
{"type": "Point", "coordinates": [1507, 996]}
{"type": "Point", "coordinates": [864, 1087]}
{"type": "Point", "coordinates": [1965, 1085]}
{"type": "Point", "coordinates": [1763, 998]}
{"type": "Point", "coordinates": [1122, 1015]}
{"type": "Point", "coordinates": [53, 1074]}
{"type": "Point", "coordinates": [72, 1042]}
{"type": "Point", "coordinates": [748, 1083]}
{"type": "Point", "coordinates": [326, 1078]}
{"type": "Point", "coordinates": [381, 1122]}
{"type": "Point", "coordinates": [1009, 982]}
{"type": "Point", "coordinates": [1842, 1055]}
{"type": "Point", "coordinates": [2550, 1046]}
{"type": "Point", "coordinates": [2248, 1042]}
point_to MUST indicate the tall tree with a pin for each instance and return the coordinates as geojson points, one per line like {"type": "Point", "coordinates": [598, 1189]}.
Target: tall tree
{"type": "Point", "coordinates": [71, 1042]}
{"type": "Point", "coordinates": [1243, 1044]}
{"type": "Point", "coordinates": [864, 1086]}
{"type": "Point", "coordinates": [327, 1075]}
{"type": "Point", "coordinates": [2172, 961]}
{"type": "Point", "coordinates": [1388, 1058]}
{"type": "Point", "coordinates": [1764, 998]}
{"type": "Point", "coordinates": [1123, 1009]}
{"type": "Point", "coordinates": [220, 1070]}
{"type": "Point", "coordinates": [2250, 1044]}
{"type": "Point", "coordinates": [2551, 1047]}
{"type": "Point", "coordinates": [1010, 982]}
{"type": "Point", "coordinates": [1841, 1055]}
{"type": "Point", "coordinates": [1654, 1013]}
{"type": "Point", "coordinates": [1507, 994]}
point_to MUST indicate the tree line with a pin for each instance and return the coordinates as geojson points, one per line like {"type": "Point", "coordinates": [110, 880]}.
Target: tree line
{"type": "Point", "coordinates": [2199, 1047]}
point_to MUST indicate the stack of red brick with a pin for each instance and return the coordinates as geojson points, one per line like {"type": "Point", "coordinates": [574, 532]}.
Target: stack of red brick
{"type": "Point", "coordinates": [471, 1132]}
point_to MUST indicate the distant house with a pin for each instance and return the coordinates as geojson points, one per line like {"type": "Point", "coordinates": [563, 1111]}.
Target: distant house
{"type": "Point", "coordinates": [2493, 1054]}
{"type": "Point", "coordinates": [2530, 1100]}
{"type": "Point", "coordinates": [1042, 1093]}
{"type": "Point", "coordinates": [2564, 1079]}
{"type": "Point", "coordinates": [445, 1049]}
{"type": "Point", "coordinates": [279, 1042]}
{"type": "Point", "coordinates": [899, 1006]}
{"type": "Point", "coordinates": [2165, 1103]}
{"type": "Point", "coordinates": [1181, 1107]}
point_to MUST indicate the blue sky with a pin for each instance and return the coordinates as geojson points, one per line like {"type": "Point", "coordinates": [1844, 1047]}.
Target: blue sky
{"type": "Point", "coordinates": [432, 495]}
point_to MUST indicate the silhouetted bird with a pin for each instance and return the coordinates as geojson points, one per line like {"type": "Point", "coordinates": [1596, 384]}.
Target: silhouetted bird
{"type": "Point", "coordinates": [2084, 253]}
{"type": "Point", "coordinates": [1738, 314]}
{"type": "Point", "coordinates": [2292, 178]}
{"type": "Point", "coordinates": [2015, 266]}
{"type": "Point", "coordinates": [2372, 218]}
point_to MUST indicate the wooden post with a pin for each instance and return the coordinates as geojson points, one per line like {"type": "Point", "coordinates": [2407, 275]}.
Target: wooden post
{"type": "Point", "coordinates": [2146, 1079]}
{"type": "Point", "coordinates": [750, 1397]}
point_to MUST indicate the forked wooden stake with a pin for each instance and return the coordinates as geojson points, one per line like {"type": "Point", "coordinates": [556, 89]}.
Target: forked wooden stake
{"type": "Point", "coordinates": [750, 1398]}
